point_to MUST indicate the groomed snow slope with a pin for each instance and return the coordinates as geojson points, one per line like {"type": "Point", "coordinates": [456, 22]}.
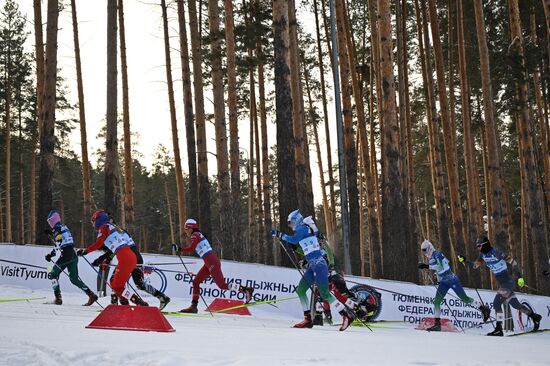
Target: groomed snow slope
{"type": "Point", "coordinates": [34, 333]}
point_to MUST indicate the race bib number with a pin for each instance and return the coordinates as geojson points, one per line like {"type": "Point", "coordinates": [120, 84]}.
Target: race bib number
{"type": "Point", "coordinates": [309, 245]}
{"type": "Point", "coordinates": [203, 247]}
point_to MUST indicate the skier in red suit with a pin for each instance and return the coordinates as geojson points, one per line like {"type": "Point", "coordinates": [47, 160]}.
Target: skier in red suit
{"type": "Point", "coordinates": [212, 266]}
{"type": "Point", "coordinates": [114, 239]}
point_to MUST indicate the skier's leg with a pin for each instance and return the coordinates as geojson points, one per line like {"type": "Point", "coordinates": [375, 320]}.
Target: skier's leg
{"type": "Point", "coordinates": [441, 291]}
{"type": "Point", "coordinates": [203, 274]}
{"type": "Point", "coordinates": [303, 286]}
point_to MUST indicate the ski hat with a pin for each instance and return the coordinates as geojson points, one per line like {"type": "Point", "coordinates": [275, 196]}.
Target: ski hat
{"type": "Point", "coordinates": [427, 248]}
{"type": "Point", "coordinates": [191, 224]}
{"type": "Point", "coordinates": [294, 219]}
{"type": "Point", "coordinates": [53, 218]}
{"type": "Point", "coordinates": [483, 244]}
{"type": "Point", "coordinates": [309, 222]}
{"type": "Point", "coordinates": [100, 218]}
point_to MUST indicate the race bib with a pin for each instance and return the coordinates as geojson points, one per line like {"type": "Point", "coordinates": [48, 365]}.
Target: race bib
{"type": "Point", "coordinates": [309, 244]}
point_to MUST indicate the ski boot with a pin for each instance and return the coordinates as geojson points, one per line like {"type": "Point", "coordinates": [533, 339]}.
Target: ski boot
{"type": "Point", "coordinates": [347, 318]}
{"type": "Point", "coordinates": [486, 312]}
{"type": "Point", "coordinates": [436, 327]}
{"type": "Point", "coordinates": [497, 332]}
{"type": "Point", "coordinates": [114, 299]}
{"type": "Point", "coordinates": [123, 301]}
{"type": "Point", "coordinates": [306, 323]}
{"type": "Point", "coordinates": [536, 321]}
{"type": "Point", "coordinates": [91, 298]}
{"type": "Point", "coordinates": [58, 300]}
{"type": "Point", "coordinates": [247, 291]}
{"type": "Point", "coordinates": [164, 300]}
{"type": "Point", "coordinates": [138, 300]}
{"type": "Point", "coordinates": [318, 319]}
{"type": "Point", "coordinates": [192, 308]}
{"type": "Point", "coordinates": [328, 317]}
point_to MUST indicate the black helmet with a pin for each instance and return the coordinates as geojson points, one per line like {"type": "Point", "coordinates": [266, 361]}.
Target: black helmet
{"type": "Point", "coordinates": [483, 243]}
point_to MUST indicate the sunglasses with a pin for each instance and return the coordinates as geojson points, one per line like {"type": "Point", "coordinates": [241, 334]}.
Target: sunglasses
{"type": "Point", "coordinates": [425, 249]}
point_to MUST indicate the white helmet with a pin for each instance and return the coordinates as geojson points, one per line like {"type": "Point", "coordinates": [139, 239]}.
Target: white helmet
{"type": "Point", "coordinates": [309, 222]}
{"type": "Point", "coordinates": [295, 218]}
{"type": "Point", "coordinates": [427, 248]}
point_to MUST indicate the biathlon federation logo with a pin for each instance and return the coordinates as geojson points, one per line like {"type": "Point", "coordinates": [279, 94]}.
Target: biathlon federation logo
{"type": "Point", "coordinates": [155, 277]}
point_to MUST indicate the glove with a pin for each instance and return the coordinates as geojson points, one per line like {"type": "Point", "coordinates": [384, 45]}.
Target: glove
{"type": "Point", "coordinates": [49, 256]}
{"type": "Point", "coordinates": [461, 258]}
{"type": "Point", "coordinates": [521, 282]}
{"type": "Point", "coordinates": [277, 233]}
{"type": "Point", "coordinates": [80, 252]}
{"type": "Point", "coordinates": [423, 266]}
{"type": "Point", "coordinates": [97, 261]}
{"type": "Point", "coordinates": [302, 263]}
{"type": "Point", "coordinates": [175, 249]}
{"type": "Point", "coordinates": [546, 273]}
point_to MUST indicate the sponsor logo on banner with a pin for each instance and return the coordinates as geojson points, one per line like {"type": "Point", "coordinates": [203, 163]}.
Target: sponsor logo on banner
{"type": "Point", "coordinates": [23, 273]}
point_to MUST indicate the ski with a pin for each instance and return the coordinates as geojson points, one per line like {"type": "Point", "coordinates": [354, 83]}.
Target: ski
{"type": "Point", "coordinates": [177, 313]}
{"type": "Point", "coordinates": [253, 303]}
{"type": "Point", "coordinates": [529, 332]}
{"type": "Point", "coordinates": [22, 299]}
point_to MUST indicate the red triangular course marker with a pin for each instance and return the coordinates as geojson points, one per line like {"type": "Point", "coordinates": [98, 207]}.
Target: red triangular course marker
{"type": "Point", "coordinates": [218, 306]}
{"type": "Point", "coordinates": [126, 317]}
{"type": "Point", "coordinates": [446, 325]}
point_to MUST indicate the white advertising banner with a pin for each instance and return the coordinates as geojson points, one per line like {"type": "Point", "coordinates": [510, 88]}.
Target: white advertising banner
{"type": "Point", "coordinates": [24, 265]}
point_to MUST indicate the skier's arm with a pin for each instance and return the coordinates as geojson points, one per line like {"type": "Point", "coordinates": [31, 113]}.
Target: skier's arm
{"type": "Point", "coordinates": [102, 235]}
{"type": "Point", "coordinates": [478, 262]}
{"type": "Point", "coordinates": [298, 235]}
{"type": "Point", "coordinates": [194, 239]}
{"type": "Point", "coordinates": [330, 255]}
{"type": "Point", "coordinates": [510, 260]}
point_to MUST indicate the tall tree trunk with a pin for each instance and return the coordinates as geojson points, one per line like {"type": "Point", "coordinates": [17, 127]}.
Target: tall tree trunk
{"type": "Point", "coordinates": [533, 191]}
{"type": "Point", "coordinates": [192, 203]}
{"type": "Point", "coordinates": [170, 220]}
{"type": "Point", "coordinates": [495, 213]}
{"type": "Point", "coordinates": [112, 168]}
{"type": "Point", "coordinates": [470, 160]}
{"type": "Point", "coordinates": [394, 232]}
{"type": "Point", "coordinates": [86, 181]}
{"type": "Point", "coordinates": [174, 124]}
{"type": "Point", "coordinates": [204, 184]}
{"type": "Point", "coordinates": [349, 143]}
{"type": "Point", "coordinates": [39, 57]}
{"type": "Point", "coordinates": [406, 128]}
{"type": "Point", "coordinates": [283, 111]}
{"type": "Point", "coordinates": [436, 165]}
{"type": "Point", "coordinates": [537, 88]}
{"type": "Point", "coordinates": [266, 183]}
{"type": "Point", "coordinates": [259, 204]}
{"type": "Point", "coordinates": [448, 140]}
{"type": "Point", "coordinates": [220, 128]}
{"type": "Point", "coordinates": [374, 243]}
{"type": "Point", "coordinates": [252, 116]}
{"type": "Point", "coordinates": [305, 203]}
{"type": "Point", "coordinates": [233, 127]}
{"type": "Point", "coordinates": [47, 138]}
{"type": "Point", "coordinates": [7, 138]}
{"type": "Point", "coordinates": [330, 220]}
{"type": "Point", "coordinates": [128, 216]}
{"type": "Point", "coordinates": [21, 216]}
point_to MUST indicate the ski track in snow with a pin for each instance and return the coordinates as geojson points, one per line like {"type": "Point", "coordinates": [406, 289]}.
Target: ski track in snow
{"type": "Point", "coordinates": [33, 333]}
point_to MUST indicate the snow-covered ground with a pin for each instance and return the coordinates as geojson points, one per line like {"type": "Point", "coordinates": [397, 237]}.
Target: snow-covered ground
{"type": "Point", "coordinates": [34, 333]}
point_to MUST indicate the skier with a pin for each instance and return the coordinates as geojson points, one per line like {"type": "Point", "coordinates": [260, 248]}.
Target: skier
{"type": "Point", "coordinates": [212, 266]}
{"type": "Point", "coordinates": [137, 273]}
{"type": "Point", "coordinates": [68, 259]}
{"type": "Point", "coordinates": [496, 260]}
{"type": "Point", "coordinates": [447, 280]}
{"type": "Point", "coordinates": [316, 272]}
{"type": "Point", "coordinates": [336, 282]}
{"type": "Point", "coordinates": [114, 239]}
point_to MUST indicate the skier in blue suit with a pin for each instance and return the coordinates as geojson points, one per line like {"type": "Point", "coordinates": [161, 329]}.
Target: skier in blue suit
{"type": "Point", "coordinates": [316, 272]}
{"type": "Point", "coordinates": [447, 280]}
{"type": "Point", "coordinates": [497, 259]}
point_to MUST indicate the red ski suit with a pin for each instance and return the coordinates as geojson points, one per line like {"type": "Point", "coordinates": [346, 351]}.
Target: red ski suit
{"type": "Point", "coordinates": [212, 265]}
{"type": "Point", "coordinates": [126, 261]}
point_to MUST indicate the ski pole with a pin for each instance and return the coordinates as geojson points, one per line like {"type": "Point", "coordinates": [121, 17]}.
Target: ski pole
{"type": "Point", "coordinates": [295, 266]}
{"type": "Point", "coordinates": [187, 271]}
